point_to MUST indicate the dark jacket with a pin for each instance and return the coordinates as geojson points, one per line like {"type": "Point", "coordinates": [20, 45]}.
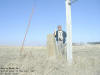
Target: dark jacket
{"type": "Point", "coordinates": [64, 36]}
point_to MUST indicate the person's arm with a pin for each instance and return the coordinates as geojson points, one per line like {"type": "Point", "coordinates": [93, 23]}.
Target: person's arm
{"type": "Point", "coordinates": [55, 33]}
{"type": "Point", "coordinates": [65, 34]}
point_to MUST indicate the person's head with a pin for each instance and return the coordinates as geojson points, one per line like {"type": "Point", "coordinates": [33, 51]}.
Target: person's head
{"type": "Point", "coordinates": [59, 27]}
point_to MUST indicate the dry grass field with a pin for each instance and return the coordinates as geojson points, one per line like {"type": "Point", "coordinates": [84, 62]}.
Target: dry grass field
{"type": "Point", "coordinates": [86, 61]}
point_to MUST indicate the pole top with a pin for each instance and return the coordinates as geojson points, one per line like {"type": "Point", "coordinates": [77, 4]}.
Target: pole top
{"type": "Point", "coordinates": [71, 1]}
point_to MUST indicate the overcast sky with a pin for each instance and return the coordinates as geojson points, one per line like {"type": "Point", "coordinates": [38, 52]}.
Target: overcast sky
{"type": "Point", "coordinates": [14, 16]}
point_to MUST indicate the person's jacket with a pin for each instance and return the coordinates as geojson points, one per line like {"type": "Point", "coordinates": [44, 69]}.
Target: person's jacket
{"type": "Point", "coordinates": [64, 36]}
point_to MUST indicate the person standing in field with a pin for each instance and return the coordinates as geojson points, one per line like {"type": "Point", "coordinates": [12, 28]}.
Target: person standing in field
{"type": "Point", "coordinates": [60, 36]}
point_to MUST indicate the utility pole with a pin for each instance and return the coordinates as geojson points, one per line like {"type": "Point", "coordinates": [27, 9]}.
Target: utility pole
{"type": "Point", "coordinates": [69, 31]}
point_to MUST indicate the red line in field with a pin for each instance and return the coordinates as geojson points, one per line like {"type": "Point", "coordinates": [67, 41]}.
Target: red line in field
{"type": "Point", "coordinates": [29, 22]}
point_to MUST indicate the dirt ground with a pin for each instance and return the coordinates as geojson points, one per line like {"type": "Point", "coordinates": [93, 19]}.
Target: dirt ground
{"type": "Point", "coordinates": [35, 61]}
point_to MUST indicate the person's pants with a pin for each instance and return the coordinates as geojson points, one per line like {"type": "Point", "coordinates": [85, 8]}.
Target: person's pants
{"type": "Point", "coordinates": [61, 47]}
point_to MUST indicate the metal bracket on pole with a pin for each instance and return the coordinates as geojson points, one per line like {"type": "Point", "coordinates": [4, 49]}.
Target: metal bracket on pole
{"type": "Point", "coordinates": [72, 1]}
